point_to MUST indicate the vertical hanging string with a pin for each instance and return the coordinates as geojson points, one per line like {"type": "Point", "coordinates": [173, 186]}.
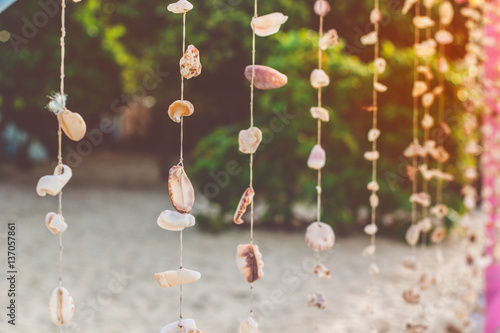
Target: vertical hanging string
{"type": "Point", "coordinates": [439, 187]}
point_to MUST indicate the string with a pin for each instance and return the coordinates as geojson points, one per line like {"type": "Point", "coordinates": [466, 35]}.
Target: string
{"type": "Point", "coordinates": [439, 188]}
{"type": "Point", "coordinates": [180, 259]}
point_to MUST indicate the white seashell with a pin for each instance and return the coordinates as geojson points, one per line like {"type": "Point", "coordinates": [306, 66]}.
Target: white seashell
{"type": "Point", "coordinates": [423, 199]}
{"type": "Point", "coordinates": [317, 158]}
{"type": "Point", "coordinates": [72, 125]}
{"type": "Point", "coordinates": [190, 64]}
{"type": "Point", "coordinates": [369, 39]}
{"type": "Point", "coordinates": [175, 221]}
{"type": "Point", "coordinates": [249, 140]}
{"type": "Point", "coordinates": [373, 186]}
{"type": "Point", "coordinates": [411, 262]}
{"type": "Point", "coordinates": [268, 24]}
{"type": "Point", "coordinates": [423, 22]}
{"type": "Point", "coordinates": [429, 3]}
{"type": "Point", "coordinates": [425, 225]}
{"type": "Point", "coordinates": [374, 201]}
{"type": "Point", "coordinates": [369, 250]}
{"type": "Point", "coordinates": [412, 295]}
{"type": "Point", "coordinates": [414, 149]}
{"type": "Point", "coordinates": [181, 326]}
{"type": "Point", "coordinates": [322, 272]}
{"type": "Point", "coordinates": [375, 16]}
{"type": "Point", "coordinates": [249, 326]}
{"type": "Point", "coordinates": [427, 100]}
{"type": "Point", "coordinates": [330, 38]}
{"type": "Point", "coordinates": [320, 236]}
{"type": "Point", "coordinates": [426, 71]}
{"type": "Point", "coordinates": [427, 121]}
{"type": "Point", "coordinates": [371, 229]}
{"type": "Point", "coordinates": [319, 78]}
{"type": "Point", "coordinates": [443, 37]}
{"type": "Point", "coordinates": [470, 173]}
{"type": "Point", "coordinates": [180, 189]}
{"type": "Point", "coordinates": [408, 5]}
{"type": "Point", "coordinates": [318, 300]}
{"type": "Point", "coordinates": [446, 13]}
{"type": "Point", "coordinates": [55, 223]}
{"type": "Point", "coordinates": [419, 88]}
{"type": "Point", "coordinates": [372, 155]}
{"type": "Point", "coordinates": [438, 235]}
{"type": "Point", "coordinates": [426, 49]}
{"type": "Point", "coordinates": [249, 262]}
{"type": "Point", "coordinates": [413, 235]}
{"type": "Point", "coordinates": [440, 211]}
{"type": "Point", "coordinates": [321, 7]}
{"type": "Point", "coordinates": [374, 269]}
{"type": "Point", "coordinates": [373, 134]}
{"type": "Point", "coordinates": [179, 109]}
{"type": "Point", "coordinates": [172, 278]}
{"type": "Point", "coordinates": [320, 113]}
{"type": "Point", "coordinates": [61, 306]}
{"type": "Point", "coordinates": [380, 65]}
{"type": "Point", "coordinates": [245, 200]}
{"type": "Point", "coordinates": [380, 87]}
{"type": "Point", "coordinates": [180, 7]}
{"type": "Point", "coordinates": [53, 184]}
{"type": "Point", "coordinates": [442, 65]}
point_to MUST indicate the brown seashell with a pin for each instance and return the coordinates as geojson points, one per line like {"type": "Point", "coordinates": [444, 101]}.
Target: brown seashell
{"type": "Point", "coordinates": [440, 155]}
{"type": "Point", "coordinates": [249, 140]}
{"type": "Point", "coordinates": [445, 128]}
{"type": "Point", "coordinates": [190, 63]}
{"type": "Point", "coordinates": [245, 200]}
{"type": "Point", "coordinates": [181, 326]}
{"type": "Point", "coordinates": [412, 295]}
{"type": "Point", "coordinates": [411, 172]}
{"type": "Point", "coordinates": [266, 78]}
{"type": "Point", "coordinates": [269, 24]}
{"type": "Point", "coordinates": [72, 125]}
{"type": "Point", "coordinates": [413, 235]}
{"type": "Point", "coordinates": [249, 262]}
{"type": "Point", "coordinates": [438, 235]}
{"type": "Point", "coordinates": [320, 113]}
{"type": "Point", "coordinates": [322, 272]}
{"type": "Point", "coordinates": [321, 7]}
{"type": "Point", "coordinates": [446, 13]}
{"type": "Point", "coordinates": [320, 236]}
{"type": "Point", "coordinates": [415, 328]}
{"type": "Point", "coordinates": [318, 300]}
{"type": "Point", "coordinates": [179, 109]}
{"type": "Point", "coordinates": [180, 189]}
{"type": "Point", "coordinates": [330, 38]}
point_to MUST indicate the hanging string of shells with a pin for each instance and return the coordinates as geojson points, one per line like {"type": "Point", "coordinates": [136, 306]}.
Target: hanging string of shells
{"type": "Point", "coordinates": [180, 189]}
{"type": "Point", "coordinates": [320, 236]}
{"type": "Point", "coordinates": [248, 257]}
{"type": "Point", "coordinates": [61, 305]}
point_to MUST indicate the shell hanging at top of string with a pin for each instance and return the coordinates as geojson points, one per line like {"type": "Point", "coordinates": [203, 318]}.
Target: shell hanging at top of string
{"type": "Point", "coordinates": [269, 24]}
{"type": "Point", "coordinates": [321, 7]}
{"type": "Point", "coordinates": [180, 7]}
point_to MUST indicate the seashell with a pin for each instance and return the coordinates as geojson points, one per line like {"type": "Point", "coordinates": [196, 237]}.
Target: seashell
{"type": "Point", "coordinates": [249, 140]}
{"type": "Point", "coordinates": [442, 65]}
{"type": "Point", "coordinates": [440, 154]}
{"type": "Point", "coordinates": [439, 211]}
{"type": "Point", "coordinates": [369, 39]}
{"type": "Point", "coordinates": [245, 200]}
{"type": "Point", "coordinates": [374, 201]}
{"type": "Point", "coordinates": [369, 250]}
{"type": "Point", "coordinates": [373, 186]}
{"type": "Point", "coordinates": [55, 223]}
{"type": "Point", "coordinates": [322, 272]}
{"type": "Point", "coordinates": [419, 88]}
{"type": "Point", "coordinates": [429, 3]}
{"type": "Point", "coordinates": [375, 16]}
{"type": "Point", "coordinates": [423, 199]}
{"type": "Point", "coordinates": [370, 108]}
{"type": "Point", "coordinates": [438, 90]}
{"type": "Point", "coordinates": [426, 71]}
{"type": "Point", "coordinates": [330, 38]}
{"type": "Point", "coordinates": [425, 225]}
{"type": "Point", "coordinates": [427, 121]}
{"type": "Point", "coordinates": [446, 13]}
{"type": "Point", "coordinates": [180, 189]}
{"type": "Point", "coordinates": [190, 63]}
{"type": "Point", "coordinates": [175, 221]}
{"type": "Point", "coordinates": [61, 306]}
{"type": "Point", "coordinates": [374, 269]}
{"type": "Point", "coordinates": [380, 87]}
{"type": "Point", "coordinates": [318, 300]}
{"type": "Point", "coordinates": [268, 24]}
{"type": "Point", "coordinates": [443, 37]}
{"type": "Point", "coordinates": [426, 174]}
{"type": "Point", "coordinates": [266, 78]}
{"type": "Point", "coordinates": [249, 326]}
{"type": "Point", "coordinates": [321, 7]}
{"type": "Point", "coordinates": [179, 109]}
{"type": "Point", "coordinates": [249, 262]}
{"type": "Point", "coordinates": [373, 134]}
{"type": "Point", "coordinates": [440, 175]}
{"type": "Point", "coordinates": [470, 173]}
{"type": "Point", "coordinates": [181, 276]}
{"type": "Point", "coordinates": [470, 202]}
{"type": "Point", "coordinates": [412, 295]}
{"type": "Point", "coordinates": [473, 148]}
{"type": "Point", "coordinates": [423, 22]}
{"type": "Point", "coordinates": [180, 7]}
{"type": "Point", "coordinates": [425, 281]}
{"type": "Point", "coordinates": [53, 184]}
{"type": "Point", "coordinates": [371, 155]}
{"type": "Point", "coordinates": [413, 234]}
{"type": "Point", "coordinates": [414, 149]}
{"type": "Point", "coordinates": [408, 5]}
{"type": "Point", "coordinates": [181, 326]}
{"type": "Point", "coordinates": [319, 78]}
{"type": "Point", "coordinates": [411, 262]}
{"type": "Point", "coordinates": [371, 229]}
{"type": "Point", "coordinates": [317, 112]}
{"type": "Point", "coordinates": [415, 328]}
{"type": "Point", "coordinates": [317, 158]}
{"type": "Point", "coordinates": [426, 49]}
{"type": "Point", "coordinates": [72, 125]}
{"type": "Point", "coordinates": [428, 100]}
{"type": "Point", "coordinates": [411, 172]}
{"type": "Point", "coordinates": [320, 236]}
{"type": "Point", "coordinates": [380, 65]}
{"type": "Point", "coordinates": [438, 235]}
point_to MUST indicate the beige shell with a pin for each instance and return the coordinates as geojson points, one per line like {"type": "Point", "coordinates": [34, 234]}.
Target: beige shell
{"type": "Point", "coordinates": [370, 229]}
{"type": "Point", "coordinates": [266, 78]}
{"type": "Point", "coordinates": [375, 16]}
{"type": "Point", "coordinates": [175, 221]}
{"type": "Point", "coordinates": [439, 211]}
{"type": "Point", "coordinates": [419, 88]}
{"type": "Point", "coordinates": [179, 109]}
{"type": "Point", "coordinates": [374, 269]}
{"type": "Point", "coordinates": [171, 278]}
{"type": "Point", "coordinates": [443, 37]}
{"type": "Point", "coordinates": [180, 189]}
{"type": "Point", "coordinates": [250, 325]}
{"type": "Point", "coordinates": [249, 140]}
{"type": "Point", "coordinates": [422, 198]}
{"type": "Point", "coordinates": [55, 223]}
{"type": "Point", "coordinates": [181, 326]}
{"type": "Point", "coordinates": [317, 158]}
{"type": "Point", "coordinates": [369, 250]}
{"type": "Point", "coordinates": [426, 49]}
{"type": "Point", "coordinates": [427, 121]}
{"type": "Point", "coordinates": [380, 87]}
{"type": "Point", "coordinates": [319, 78]}
{"type": "Point", "coordinates": [369, 39]}
{"type": "Point", "coordinates": [429, 3]}
{"type": "Point", "coordinates": [180, 7]}
{"type": "Point", "coordinates": [373, 134]}
{"type": "Point", "coordinates": [330, 38]}
{"type": "Point", "coordinates": [190, 64]}
{"type": "Point", "coordinates": [380, 65]}
{"type": "Point", "coordinates": [320, 236]}
{"type": "Point", "coordinates": [61, 306]}
{"type": "Point", "coordinates": [413, 235]}
{"type": "Point", "coordinates": [442, 65]}
{"type": "Point", "coordinates": [53, 184]}
{"type": "Point", "coordinates": [322, 272]}
{"type": "Point", "coordinates": [373, 186]}
{"type": "Point", "coordinates": [374, 200]}
{"type": "Point", "coordinates": [408, 5]}
{"type": "Point", "coordinates": [425, 281]}
{"type": "Point", "coordinates": [440, 154]}
{"type": "Point", "coordinates": [446, 13]}
{"type": "Point", "coordinates": [268, 24]}
{"type": "Point", "coordinates": [412, 295]}
{"type": "Point", "coordinates": [321, 7]}
{"type": "Point", "coordinates": [414, 149]}
{"type": "Point", "coordinates": [423, 22]}
{"type": "Point", "coordinates": [438, 235]}
{"type": "Point", "coordinates": [411, 262]}
{"type": "Point", "coordinates": [317, 300]}
{"type": "Point", "coordinates": [320, 113]}
{"type": "Point", "coordinates": [72, 125]}
{"type": "Point", "coordinates": [425, 225]}
{"type": "Point", "coordinates": [426, 71]}
{"type": "Point", "coordinates": [372, 155]}
{"type": "Point", "coordinates": [428, 100]}
{"type": "Point", "coordinates": [245, 201]}
{"type": "Point", "coordinates": [438, 90]}
{"type": "Point", "coordinates": [249, 262]}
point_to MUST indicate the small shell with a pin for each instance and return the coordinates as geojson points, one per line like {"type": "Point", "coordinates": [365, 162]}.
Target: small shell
{"type": "Point", "coordinates": [423, 199]}
{"type": "Point", "coordinates": [419, 88]}
{"type": "Point", "coordinates": [55, 223]}
{"type": "Point", "coordinates": [179, 109]}
{"type": "Point", "coordinates": [439, 211]}
{"type": "Point", "coordinates": [320, 113]}
{"type": "Point", "coordinates": [413, 235]}
{"type": "Point", "coordinates": [319, 78]}
{"type": "Point", "coordinates": [321, 7]}
{"type": "Point", "coordinates": [443, 37]}
{"type": "Point", "coordinates": [181, 276]}
{"type": "Point", "coordinates": [249, 262]}
{"type": "Point", "coordinates": [245, 200]}
{"type": "Point", "coordinates": [470, 173]}
{"type": "Point", "coordinates": [53, 184]}
{"type": "Point", "coordinates": [425, 281]}
{"type": "Point", "coordinates": [427, 100]}
{"type": "Point", "coordinates": [249, 326]}
{"type": "Point", "coordinates": [371, 229]}
{"type": "Point", "coordinates": [380, 65]}
{"type": "Point", "coordinates": [440, 154]}
{"type": "Point", "coordinates": [445, 128]}
{"type": "Point", "coordinates": [374, 201]}
{"type": "Point", "coordinates": [175, 221]}
{"type": "Point", "coordinates": [372, 155]}
{"type": "Point", "coordinates": [414, 149]}
{"type": "Point", "coordinates": [380, 87]}
{"type": "Point", "coordinates": [411, 262]}
{"type": "Point", "coordinates": [318, 300]}
{"type": "Point", "coordinates": [442, 65]}
{"type": "Point", "coordinates": [446, 13]}
{"type": "Point", "coordinates": [373, 134]}
{"type": "Point", "coordinates": [330, 38]}
{"type": "Point", "coordinates": [438, 235]}
{"type": "Point", "coordinates": [369, 39]}
{"type": "Point", "coordinates": [181, 326]}
{"type": "Point", "coordinates": [322, 272]}
{"type": "Point", "coordinates": [180, 189]}
{"type": "Point", "coordinates": [374, 269]}
{"type": "Point", "coordinates": [369, 250]}
{"type": "Point", "coordinates": [268, 24]}
{"type": "Point", "coordinates": [426, 71]}
{"type": "Point", "coordinates": [438, 90]}
{"type": "Point", "coordinates": [412, 295]}
{"type": "Point", "coordinates": [427, 121]}
{"type": "Point", "coordinates": [180, 7]}
{"type": "Point", "coordinates": [72, 125]}
{"type": "Point", "coordinates": [375, 16]}
{"type": "Point", "coordinates": [61, 306]}
{"type": "Point", "coordinates": [429, 3]}
{"type": "Point", "coordinates": [266, 78]}
{"type": "Point", "coordinates": [408, 5]}
{"type": "Point", "coordinates": [190, 63]}
{"type": "Point", "coordinates": [373, 186]}
{"type": "Point", "coordinates": [320, 236]}
{"type": "Point", "coordinates": [423, 22]}
{"type": "Point", "coordinates": [249, 140]}
{"type": "Point", "coordinates": [426, 49]}
{"type": "Point", "coordinates": [317, 158]}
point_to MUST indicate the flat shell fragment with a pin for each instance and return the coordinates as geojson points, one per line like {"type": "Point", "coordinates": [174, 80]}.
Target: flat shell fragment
{"type": "Point", "coordinates": [427, 100]}
{"type": "Point", "coordinates": [179, 109]}
{"type": "Point", "coordinates": [61, 306]}
{"type": "Point", "coordinates": [249, 140]}
{"type": "Point", "coordinates": [175, 221]}
{"type": "Point", "coordinates": [249, 262]}
{"type": "Point", "coordinates": [317, 158]}
{"type": "Point", "coordinates": [250, 325]}
{"type": "Point", "coordinates": [369, 39]}
{"type": "Point", "coordinates": [55, 223]}
{"type": "Point", "coordinates": [245, 201]}
{"type": "Point", "coordinates": [446, 13]}
{"type": "Point", "coordinates": [330, 38]}
{"type": "Point", "coordinates": [269, 24]}
{"type": "Point", "coordinates": [373, 134]}
{"type": "Point", "coordinates": [320, 236]}
{"type": "Point", "coordinates": [266, 78]}
{"type": "Point", "coordinates": [426, 49]}
{"type": "Point", "coordinates": [181, 326]}
{"type": "Point", "coordinates": [372, 155]}
{"type": "Point", "coordinates": [180, 189]}
{"type": "Point", "coordinates": [444, 37]}
{"type": "Point", "coordinates": [322, 272]}
{"type": "Point", "coordinates": [423, 22]}
{"type": "Point", "coordinates": [190, 64]}
{"type": "Point", "coordinates": [380, 87]}
{"type": "Point", "coordinates": [317, 300]}
{"type": "Point", "coordinates": [320, 113]}
{"type": "Point", "coordinates": [180, 7]}
{"type": "Point", "coordinates": [373, 186]}
{"type": "Point", "coordinates": [72, 125]}
{"type": "Point", "coordinates": [380, 65]}
{"type": "Point", "coordinates": [53, 184]}
{"type": "Point", "coordinates": [411, 262]}
{"type": "Point", "coordinates": [181, 276]}
{"type": "Point", "coordinates": [419, 88]}
{"type": "Point", "coordinates": [319, 78]}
